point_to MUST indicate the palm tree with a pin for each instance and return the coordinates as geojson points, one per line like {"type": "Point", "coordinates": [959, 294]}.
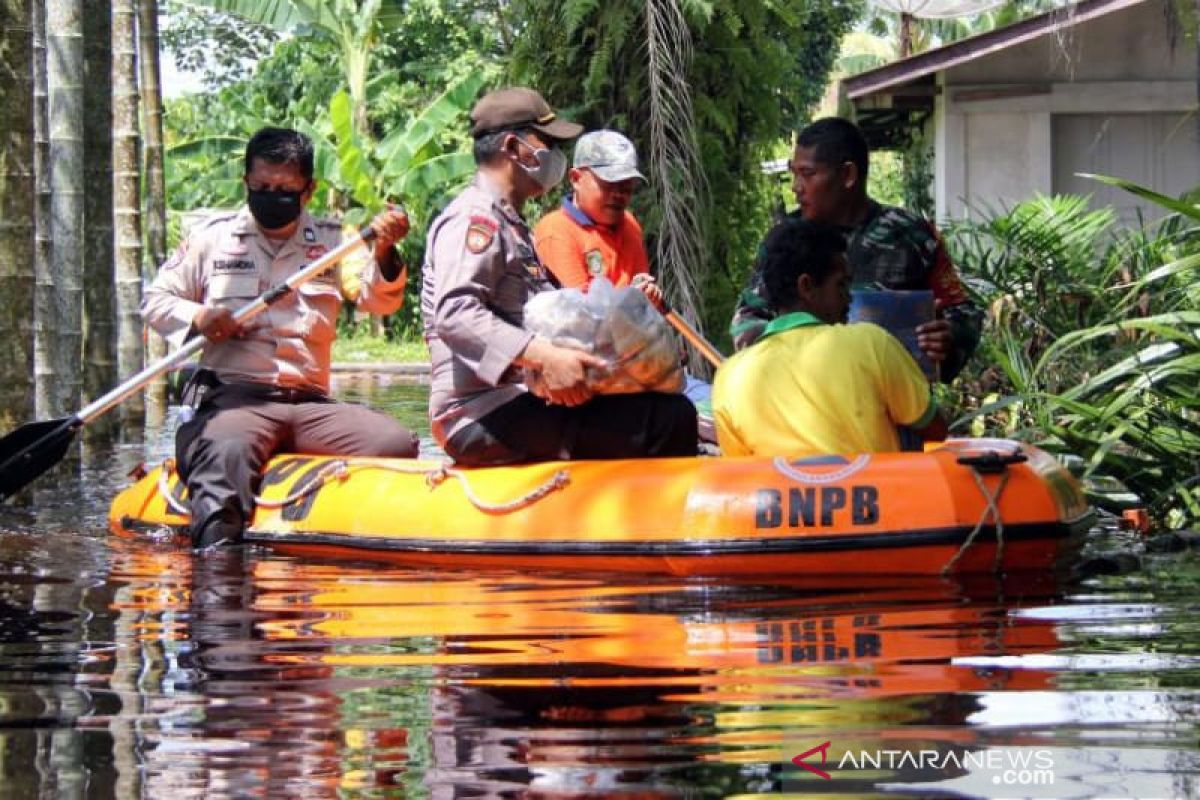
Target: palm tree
{"type": "Point", "coordinates": [16, 210]}
{"type": "Point", "coordinates": [64, 80]}
{"type": "Point", "coordinates": [99, 341]}
{"type": "Point", "coordinates": [154, 182]}
{"type": "Point", "coordinates": [152, 131]}
{"type": "Point", "coordinates": [674, 157]}
{"type": "Point", "coordinates": [45, 309]}
{"type": "Point", "coordinates": [126, 191]}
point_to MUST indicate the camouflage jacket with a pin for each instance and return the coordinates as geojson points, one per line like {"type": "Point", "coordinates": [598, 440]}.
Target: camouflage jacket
{"type": "Point", "coordinates": [895, 249]}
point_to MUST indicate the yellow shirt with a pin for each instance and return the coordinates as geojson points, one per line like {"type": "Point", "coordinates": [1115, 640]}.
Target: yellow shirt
{"type": "Point", "coordinates": [807, 388]}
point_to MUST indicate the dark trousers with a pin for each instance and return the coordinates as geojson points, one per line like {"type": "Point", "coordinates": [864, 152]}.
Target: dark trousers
{"type": "Point", "coordinates": [238, 427]}
{"type": "Point", "coordinates": [608, 426]}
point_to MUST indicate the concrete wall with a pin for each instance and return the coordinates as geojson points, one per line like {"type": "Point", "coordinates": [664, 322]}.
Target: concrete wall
{"type": "Point", "coordinates": [996, 118]}
{"type": "Point", "coordinates": [1132, 44]}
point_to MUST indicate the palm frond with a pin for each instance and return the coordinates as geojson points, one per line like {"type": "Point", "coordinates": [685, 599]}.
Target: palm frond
{"type": "Point", "coordinates": [678, 175]}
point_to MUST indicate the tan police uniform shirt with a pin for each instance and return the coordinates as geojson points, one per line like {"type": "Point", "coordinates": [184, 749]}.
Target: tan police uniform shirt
{"type": "Point", "coordinates": [227, 261]}
{"type": "Point", "coordinates": [480, 268]}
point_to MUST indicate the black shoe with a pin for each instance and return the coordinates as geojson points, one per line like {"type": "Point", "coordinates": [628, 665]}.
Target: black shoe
{"type": "Point", "coordinates": [221, 529]}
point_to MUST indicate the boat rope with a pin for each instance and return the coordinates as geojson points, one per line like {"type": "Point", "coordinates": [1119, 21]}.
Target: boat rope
{"type": "Point", "coordinates": [558, 480]}
{"type": "Point", "coordinates": [164, 489]}
{"type": "Point", "coordinates": [340, 470]}
{"type": "Point", "coordinates": [989, 463]}
{"type": "Point", "coordinates": [789, 470]}
{"type": "Point", "coordinates": [436, 476]}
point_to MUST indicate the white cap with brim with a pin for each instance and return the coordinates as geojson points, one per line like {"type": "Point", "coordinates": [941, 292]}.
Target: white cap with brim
{"type": "Point", "coordinates": [609, 155]}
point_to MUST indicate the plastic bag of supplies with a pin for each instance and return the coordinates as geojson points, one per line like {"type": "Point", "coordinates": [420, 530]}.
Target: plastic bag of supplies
{"type": "Point", "coordinates": [619, 325]}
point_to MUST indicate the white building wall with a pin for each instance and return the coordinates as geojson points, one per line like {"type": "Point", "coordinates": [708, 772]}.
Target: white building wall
{"type": "Point", "coordinates": [993, 152]}
{"type": "Point", "coordinates": [995, 117]}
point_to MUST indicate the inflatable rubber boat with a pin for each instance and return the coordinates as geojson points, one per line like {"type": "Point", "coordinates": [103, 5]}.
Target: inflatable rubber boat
{"type": "Point", "coordinates": [970, 505]}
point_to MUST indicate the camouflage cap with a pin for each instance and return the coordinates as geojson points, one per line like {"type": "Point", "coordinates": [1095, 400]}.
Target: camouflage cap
{"type": "Point", "coordinates": [609, 155]}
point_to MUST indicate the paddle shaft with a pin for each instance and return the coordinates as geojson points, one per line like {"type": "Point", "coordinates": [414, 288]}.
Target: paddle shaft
{"type": "Point", "coordinates": [695, 339]}
{"type": "Point", "coordinates": [245, 313]}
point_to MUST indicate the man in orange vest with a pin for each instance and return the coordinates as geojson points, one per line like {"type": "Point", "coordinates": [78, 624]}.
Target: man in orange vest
{"type": "Point", "coordinates": [593, 234]}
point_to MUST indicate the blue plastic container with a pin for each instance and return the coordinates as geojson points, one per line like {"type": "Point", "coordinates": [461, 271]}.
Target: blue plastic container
{"type": "Point", "coordinates": [900, 312]}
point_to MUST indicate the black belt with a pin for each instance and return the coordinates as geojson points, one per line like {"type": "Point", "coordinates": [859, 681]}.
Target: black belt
{"type": "Point", "coordinates": [274, 394]}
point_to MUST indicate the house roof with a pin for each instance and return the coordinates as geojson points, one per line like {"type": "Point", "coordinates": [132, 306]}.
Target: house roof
{"type": "Point", "coordinates": [929, 62]}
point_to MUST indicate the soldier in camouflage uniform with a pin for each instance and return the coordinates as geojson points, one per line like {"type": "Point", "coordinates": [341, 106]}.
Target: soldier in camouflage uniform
{"type": "Point", "coordinates": [887, 247]}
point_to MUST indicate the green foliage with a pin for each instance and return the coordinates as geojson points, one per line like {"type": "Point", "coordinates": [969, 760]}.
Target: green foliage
{"type": "Point", "coordinates": [221, 48]}
{"type": "Point", "coordinates": [1092, 345]}
{"type": "Point", "coordinates": [928, 33]}
{"type": "Point", "coordinates": [413, 147]}
{"type": "Point", "coordinates": [885, 178]}
{"type": "Point", "coordinates": [757, 69]}
{"type": "Point", "coordinates": [420, 164]}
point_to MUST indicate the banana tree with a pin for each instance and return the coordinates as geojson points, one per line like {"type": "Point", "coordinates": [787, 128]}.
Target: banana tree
{"type": "Point", "coordinates": [353, 25]}
{"type": "Point", "coordinates": [409, 163]}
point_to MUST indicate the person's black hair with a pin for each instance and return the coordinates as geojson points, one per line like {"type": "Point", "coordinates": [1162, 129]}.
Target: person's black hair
{"type": "Point", "coordinates": [793, 248]}
{"type": "Point", "coordinates": [489, 145]}
{"type": "Point", "coordinates": [281, 146]}
{"type": "Point", "coordinates": [835, 141]}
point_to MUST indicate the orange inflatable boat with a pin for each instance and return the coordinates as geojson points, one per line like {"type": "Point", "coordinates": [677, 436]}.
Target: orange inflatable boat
{"type": "Point", "coordinates": [971, 505]}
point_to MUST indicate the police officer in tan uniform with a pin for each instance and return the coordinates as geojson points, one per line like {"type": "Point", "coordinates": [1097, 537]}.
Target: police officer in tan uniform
{"type": "Point", "coordinates": [263, 387]}
{"type": "Point", "coordinates": [480, 269]}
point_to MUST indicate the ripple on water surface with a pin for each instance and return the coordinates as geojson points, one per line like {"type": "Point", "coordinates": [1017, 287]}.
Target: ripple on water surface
{"type": "Point", "coordinates": [133, 669]}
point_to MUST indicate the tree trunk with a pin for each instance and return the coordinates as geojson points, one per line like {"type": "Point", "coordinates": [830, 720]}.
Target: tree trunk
{"type": "Point", "coordinates": [64, 78]}
{"type": "Point", "coordinates": [16, 212]}
{"type": "Point", "coordinates": [45, 311]}
{"type": "Point", "coordinates": [154, 183]}
{"type": "Point", "coordinates": [126, 189]}
{"type": "Point", "coordinates": [99, 335]}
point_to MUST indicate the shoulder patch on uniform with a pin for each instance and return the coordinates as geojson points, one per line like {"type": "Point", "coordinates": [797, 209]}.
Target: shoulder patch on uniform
{"type": "Point", "coordinates": [480, 233]}
{"type": "Point", "coordinates": [176, 258]}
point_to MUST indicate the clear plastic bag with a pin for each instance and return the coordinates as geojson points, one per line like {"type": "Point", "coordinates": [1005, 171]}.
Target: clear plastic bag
{"type": "Point", "coordinates": [620, 326]}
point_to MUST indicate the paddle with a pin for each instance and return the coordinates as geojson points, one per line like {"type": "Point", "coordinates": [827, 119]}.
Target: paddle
{"type": "Point", "coordinates": [33, 448]}
{"type": "Point", "coordinates": [695, 339]}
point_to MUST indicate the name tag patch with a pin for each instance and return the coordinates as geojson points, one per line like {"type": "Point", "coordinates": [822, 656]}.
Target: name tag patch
{"type": "Point", "coordinates": [234, 265]}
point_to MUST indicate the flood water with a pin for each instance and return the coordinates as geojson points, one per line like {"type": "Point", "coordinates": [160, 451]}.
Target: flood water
{"type": "Point", "coordinates": [136, 669]}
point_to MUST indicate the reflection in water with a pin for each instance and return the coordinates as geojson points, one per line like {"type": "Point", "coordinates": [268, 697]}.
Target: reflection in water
{"type": "Point", "coordinates": [132, 669]}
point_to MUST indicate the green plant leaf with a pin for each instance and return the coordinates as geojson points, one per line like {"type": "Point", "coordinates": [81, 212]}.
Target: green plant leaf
{"type": "Point", "coordinates": [1179, 206]}
{"type": "Point", "coordinates": [355, 168]}
{"type": "Point", "coordinates": [433, 174]}
{"type": "Point", "coordinates": [399, 151]}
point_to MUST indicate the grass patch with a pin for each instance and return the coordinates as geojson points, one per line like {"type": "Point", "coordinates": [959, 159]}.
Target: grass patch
{"type": "Point", "coordinates": [360, 347]}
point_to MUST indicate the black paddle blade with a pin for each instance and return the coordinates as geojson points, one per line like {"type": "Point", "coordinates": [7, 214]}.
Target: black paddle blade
{"type": "Point", "coordinates": [32, 449]}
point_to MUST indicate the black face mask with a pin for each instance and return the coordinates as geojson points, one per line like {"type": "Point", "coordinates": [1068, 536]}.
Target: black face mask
{"type": "Point", "coordinates": [273, 210]}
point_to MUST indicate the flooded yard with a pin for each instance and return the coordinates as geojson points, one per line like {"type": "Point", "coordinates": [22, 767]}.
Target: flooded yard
{"type": "Point", "coordinates": [135, 669]}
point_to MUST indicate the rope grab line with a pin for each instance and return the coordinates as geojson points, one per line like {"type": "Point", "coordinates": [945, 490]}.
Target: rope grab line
{"type": "Point", "coordinates": [990, 463]}
{"type": "Point", "coordinates": [340, 470]}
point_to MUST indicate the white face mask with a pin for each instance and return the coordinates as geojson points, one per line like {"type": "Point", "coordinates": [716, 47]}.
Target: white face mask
{"type": "Point", "coordinates": [551, 165]}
